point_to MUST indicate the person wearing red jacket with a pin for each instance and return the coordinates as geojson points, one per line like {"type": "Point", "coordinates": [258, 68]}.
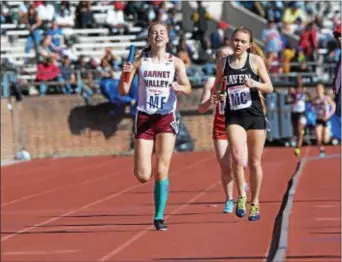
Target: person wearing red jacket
{"type": "Point", "coordinates": [46, 71]}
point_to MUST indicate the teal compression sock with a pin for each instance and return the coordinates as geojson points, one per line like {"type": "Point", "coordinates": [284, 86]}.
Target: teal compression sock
{"type": "Point", "coordinates": [161, 192]}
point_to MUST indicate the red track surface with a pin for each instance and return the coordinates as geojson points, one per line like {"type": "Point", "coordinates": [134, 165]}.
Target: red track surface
{"type": "Point", "coordinates": [93, 209]}
{"type": "Point", "coordinates": [315, 224]}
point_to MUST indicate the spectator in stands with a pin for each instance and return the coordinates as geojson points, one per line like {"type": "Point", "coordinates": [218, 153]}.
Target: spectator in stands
{"type": "Point", "coordinates": [291, 14]}
{"type": "Point", "coordinates": [85, 78]}
{"type": "Point", "coordinates": [299, 26]}
{"type": "Point", "coordinates": [113, 61]}
{"type": "Point", "coordinates": [5, 16]}
{"type": "Point", "coordinates": [83, 15]}
{"type": "Point", "coordinates": [47, 71]}
{"type": "Point", "coordinates": [184, 56]}
{"type": "Point", "coordinates": [273, 63]}
{"type": "Point", "coordinates": [132, 10]}
{"type": "Point", "coordinates": [9, 80]}
{"type": "Point", "coordinates": [66, 77]}
{"type": "Point", "coordinates": [271, 37]}
{"type": "Point", "coordinates": [46, 13]}
{"type": "Point", "coordinates": [64, 17]}
{"type": "Point", "coordinates": [287, 54]}
{"type": "Point", "coordinates": [68, 51]}
{"type": "Point", "coordinates": [217, 37]}
{"type": "Point", "coordinates": [200, 19]}
{"type": "Point", "coordinates": [33, 23]}
{"type": "Point", "coordinates": [45, 50]}
{"type": "Point", "coordinates": [115, 21]}
{"type": "Point", "coordinates": [22, 11]}
{"type": "Point", "coordinates": [162, 14]}
{"type": "Point", "coordinates": [57, 37]}
{"type": "Point", "coordinates": [110, 87]}
{"type": "Point", "coordinates": [308, 41]}
{"type": "Point", "coordinates": [274, 11]}
{"type": "Point", "coordinates": [83, 75]}
{"type": "Point", "coordinates": [298, 61]}
{"type": "Point", "coordinates": [253, 6]}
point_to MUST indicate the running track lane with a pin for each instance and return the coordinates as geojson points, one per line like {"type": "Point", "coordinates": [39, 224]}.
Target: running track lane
{"type": "Point", "coordinates": [92, 185]}
{"type": "Point", "coordinates": [315, 222]}
{"type": "Point", "coordinates": [118, 229]}
{"type": "Point", "coordinates": [72, 200]}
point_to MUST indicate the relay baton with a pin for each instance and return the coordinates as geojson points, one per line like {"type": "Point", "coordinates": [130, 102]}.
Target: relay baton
{"type": "Point", "coordinates": [223, 86]}
{"type": "Point", "coordinates": [131, 56]}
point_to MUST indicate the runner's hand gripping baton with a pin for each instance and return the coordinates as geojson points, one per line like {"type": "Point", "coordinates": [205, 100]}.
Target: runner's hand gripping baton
{"type": "Point", "coordinates": [131, 56]}
{"type": "Point", "coordinates": [223, 88]}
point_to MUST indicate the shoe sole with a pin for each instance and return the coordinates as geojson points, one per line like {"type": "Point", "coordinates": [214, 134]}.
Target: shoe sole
{"type": "Point", "coordinates": [254, 219]}
{"type": "Point", "coordinates": [161, 229]}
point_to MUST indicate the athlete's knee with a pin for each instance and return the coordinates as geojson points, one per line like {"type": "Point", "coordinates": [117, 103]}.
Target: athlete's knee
{"type": "Point", "coordinates": [238, 159]}
{"type": "Point", "coordinates": [142, 175]}
{"type": "Point", "coordinates": [162, 170]}
{"type": "Point", "coordinates": [254, 163]}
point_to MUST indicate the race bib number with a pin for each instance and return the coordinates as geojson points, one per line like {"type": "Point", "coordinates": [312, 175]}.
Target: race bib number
{"type": "Point", "coordinates": [239, 97]}
{"type": "Point", "coordinates": [155, 99]}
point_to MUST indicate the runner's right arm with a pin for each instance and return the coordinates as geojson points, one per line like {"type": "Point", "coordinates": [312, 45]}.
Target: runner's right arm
{"type": "Point", "coordinates": [132, 68]}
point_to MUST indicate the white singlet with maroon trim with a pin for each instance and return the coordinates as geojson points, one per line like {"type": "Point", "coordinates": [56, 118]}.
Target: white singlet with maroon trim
{"type": "Point", "coordinates": [155, 93]}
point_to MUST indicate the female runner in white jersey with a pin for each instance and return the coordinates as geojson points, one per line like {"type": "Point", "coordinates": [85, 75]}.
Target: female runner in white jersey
{"type": "Point", "coordinates": [247, 79]}
{"type": "Point", "coordinates": [325, 108]}
{"type": "Point", "coordinates": [156, 125]}
{"type": "Point", "coordinates": [220, 139]}
{"type": "Point", "coordinates": [297, 97]}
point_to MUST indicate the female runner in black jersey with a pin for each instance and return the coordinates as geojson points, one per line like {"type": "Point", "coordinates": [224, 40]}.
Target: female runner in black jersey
{"type": "Point", "coordinates": [247, 79]}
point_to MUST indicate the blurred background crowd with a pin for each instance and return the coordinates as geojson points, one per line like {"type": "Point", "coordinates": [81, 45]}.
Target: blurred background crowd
{"type": "Point", "coordinates": [78, 43]}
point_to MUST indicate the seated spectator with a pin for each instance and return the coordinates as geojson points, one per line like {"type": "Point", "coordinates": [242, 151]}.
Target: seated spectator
{"type": "Point", "coordinates": [200, 19]}
{"type": "Point", "coordinates": [298, 61]}
{"type": "Point", "coordinates": [115, 21]}
{"type": "Point", "coordinates": [113, 61]}
{"type": "Point", "coordinates": [64, 17]}
{"type": "Point", "coordinates": [273, 63]}
{"type": "Point", "coordinates": [85, 78]}
{"type": "Point", "coordinates": [83, 15]}
{"type": "Point", "coordinates": [45, 50]}
{"type": "Point", "coordinates": [286, 57]}
{"type": "Point", "coordinates": [22, 11]}
{"type": "Point", "coordinates": [66, 77]}
{"type": "Point", "coordinates": [57, 37]}
{"type": "Point", "coordinates": [271, 37]}
{"type": "Point", "coordinates": [217, 37]}
{"type": "Point", "coordinates": [299, 26]}
{"type": "Point", "coordinates": [33, 23]}
{"type": "Point", "coordinates": [110, 87]}
{"type": "Point", "coordinates": [68, 51]}
{"type": "Point", "coordinates": [46, 13]}
{"type": "Point", "coordinates": [274, 11]}
{"type": "Point", "coordinates": [291, 14]}
{"type": "Point", "coordinates": [184, 56]}
{"type": "Point", "coordinates": [5, 16]}
{"type": "Point", "coordinates": [47, 71]}
{"type": "Point", "coordinates": [308, 41]}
